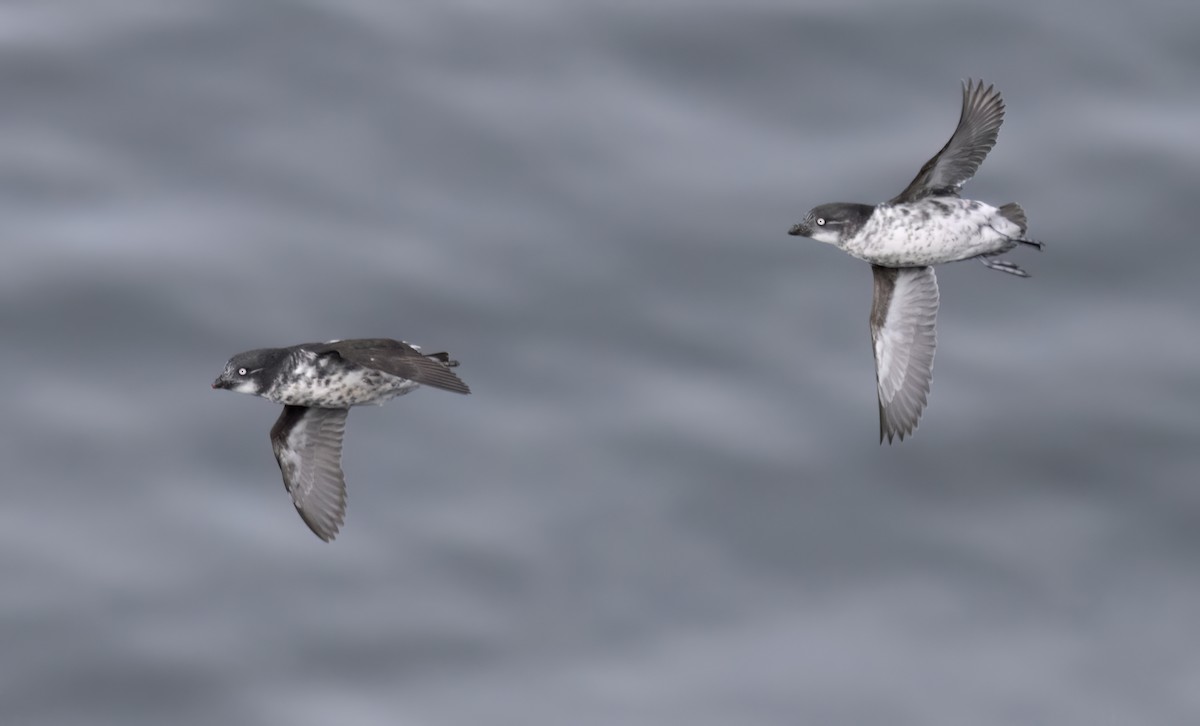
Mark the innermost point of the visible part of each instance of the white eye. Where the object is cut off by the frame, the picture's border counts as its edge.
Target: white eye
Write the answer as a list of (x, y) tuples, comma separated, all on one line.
[(241, 371), (820, 221)]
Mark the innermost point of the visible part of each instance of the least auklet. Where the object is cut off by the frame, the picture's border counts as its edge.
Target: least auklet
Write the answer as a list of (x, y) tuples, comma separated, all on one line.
[(926, 224), (317, 383)]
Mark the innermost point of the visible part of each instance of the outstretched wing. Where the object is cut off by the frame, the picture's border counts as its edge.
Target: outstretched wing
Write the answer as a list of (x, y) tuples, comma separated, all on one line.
[(308, 446), (903, 316), (399, 359), (950, 168)]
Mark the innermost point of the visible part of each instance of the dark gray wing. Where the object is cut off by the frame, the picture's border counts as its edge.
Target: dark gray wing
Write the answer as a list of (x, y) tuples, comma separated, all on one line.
[(399, 359), (308, 446), (903, 316), (950, 168)]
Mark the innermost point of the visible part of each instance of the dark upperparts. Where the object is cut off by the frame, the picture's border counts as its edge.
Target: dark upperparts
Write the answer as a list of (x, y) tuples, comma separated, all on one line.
[(397, 358)]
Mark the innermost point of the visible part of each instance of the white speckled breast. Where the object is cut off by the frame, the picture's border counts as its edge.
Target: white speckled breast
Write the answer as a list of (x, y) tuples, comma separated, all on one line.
[(931, 231), (325, 382)]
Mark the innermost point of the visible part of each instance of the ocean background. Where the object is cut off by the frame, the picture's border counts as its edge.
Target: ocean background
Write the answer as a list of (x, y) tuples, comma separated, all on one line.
[(665, 502)]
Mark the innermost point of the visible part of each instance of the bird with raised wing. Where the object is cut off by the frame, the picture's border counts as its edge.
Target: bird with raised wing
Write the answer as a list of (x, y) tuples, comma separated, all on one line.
[(926, 224)]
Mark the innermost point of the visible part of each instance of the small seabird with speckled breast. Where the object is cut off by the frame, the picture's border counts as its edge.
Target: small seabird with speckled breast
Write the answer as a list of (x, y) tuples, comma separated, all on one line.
[(317, 383), (925, 225)]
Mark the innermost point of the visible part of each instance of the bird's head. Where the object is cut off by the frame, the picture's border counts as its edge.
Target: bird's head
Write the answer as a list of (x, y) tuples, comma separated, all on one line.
[(247, 372), (832, 223)]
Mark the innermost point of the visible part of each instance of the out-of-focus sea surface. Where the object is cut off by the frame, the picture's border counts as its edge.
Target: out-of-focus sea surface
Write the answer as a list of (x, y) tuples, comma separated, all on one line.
[(665, 502)]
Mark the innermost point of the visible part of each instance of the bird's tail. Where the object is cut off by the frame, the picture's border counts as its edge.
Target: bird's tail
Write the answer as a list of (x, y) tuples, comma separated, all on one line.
[(1013, 213), (444, 357)]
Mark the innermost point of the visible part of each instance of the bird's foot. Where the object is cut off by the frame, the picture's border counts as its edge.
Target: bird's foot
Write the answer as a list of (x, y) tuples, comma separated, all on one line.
[(1002, 266)]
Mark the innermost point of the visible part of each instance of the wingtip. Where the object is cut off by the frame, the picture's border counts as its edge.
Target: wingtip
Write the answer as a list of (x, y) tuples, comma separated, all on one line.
[(455, 385), (894, 436), (325, 531), (438, 372), (988, 95), (976, 84)]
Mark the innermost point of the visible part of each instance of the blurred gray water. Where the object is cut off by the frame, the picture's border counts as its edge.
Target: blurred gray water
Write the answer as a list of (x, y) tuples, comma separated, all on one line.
[(664, 503)]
